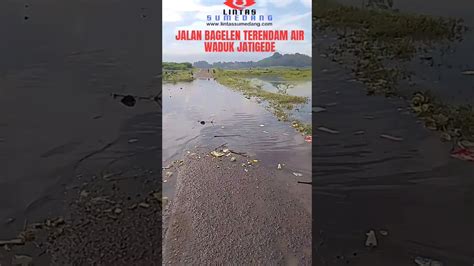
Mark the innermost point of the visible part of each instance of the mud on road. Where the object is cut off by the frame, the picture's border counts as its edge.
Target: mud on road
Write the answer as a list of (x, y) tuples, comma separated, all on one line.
[(224, 212)]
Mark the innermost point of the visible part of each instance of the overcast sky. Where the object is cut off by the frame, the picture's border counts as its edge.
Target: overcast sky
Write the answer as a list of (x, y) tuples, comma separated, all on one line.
[(191, 15)]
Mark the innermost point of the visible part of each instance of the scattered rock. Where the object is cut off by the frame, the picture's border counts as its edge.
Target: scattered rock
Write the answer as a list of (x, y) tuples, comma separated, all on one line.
[(225, 150), (297, 174), (279, 166), (217, 154), (371, 240), (164, 201), (144, 205), (169, 174), (245, 169), (233, 159), (84, 194), (118, 211)]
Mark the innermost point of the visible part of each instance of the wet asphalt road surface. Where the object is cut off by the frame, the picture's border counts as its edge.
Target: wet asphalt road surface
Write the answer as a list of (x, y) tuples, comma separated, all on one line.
[(410, 188), (224, 215)]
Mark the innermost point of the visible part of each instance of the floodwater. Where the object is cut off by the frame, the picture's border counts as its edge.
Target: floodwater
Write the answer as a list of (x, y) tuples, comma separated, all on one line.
[(301, 112), (443, 74), (57, 70), (412, 190), (245, 125)]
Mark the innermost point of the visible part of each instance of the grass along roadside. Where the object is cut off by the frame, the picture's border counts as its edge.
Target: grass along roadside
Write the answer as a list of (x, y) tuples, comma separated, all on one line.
[(375, 43), (287, 74), (175, 72), (279, 104)]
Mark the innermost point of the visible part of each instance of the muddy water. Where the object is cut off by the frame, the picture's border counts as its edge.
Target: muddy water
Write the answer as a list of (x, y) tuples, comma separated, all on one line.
[(229, 118), (57, 70), (301, 112), (443, 74), (411, 188)]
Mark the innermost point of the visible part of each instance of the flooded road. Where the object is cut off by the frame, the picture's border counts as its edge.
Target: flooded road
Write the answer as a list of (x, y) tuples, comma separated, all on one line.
[(443, 73), (416, 198), (57, 71), (410, 188), (245, 125)]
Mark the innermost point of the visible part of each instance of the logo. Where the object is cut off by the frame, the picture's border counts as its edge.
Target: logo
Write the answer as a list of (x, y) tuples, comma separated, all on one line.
[(239, 4)]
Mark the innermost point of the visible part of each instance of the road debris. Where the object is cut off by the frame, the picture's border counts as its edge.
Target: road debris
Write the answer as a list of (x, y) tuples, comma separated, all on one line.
[(22, 260), (262, 125), (427, 262), (297, 174), (132, 140), (466, 144), (279, 166), (144, 205), (217, 154), (169, 174), (463, 154), (385, 136), (383, 232), (371, 240), (84, 194), (360, 132), (328, 130), (308, 139), (16, 241), (128, 100)]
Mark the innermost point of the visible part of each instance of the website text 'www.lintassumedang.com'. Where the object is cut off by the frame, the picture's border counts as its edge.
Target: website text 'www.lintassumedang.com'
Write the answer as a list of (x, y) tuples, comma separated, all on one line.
[(258, 24)]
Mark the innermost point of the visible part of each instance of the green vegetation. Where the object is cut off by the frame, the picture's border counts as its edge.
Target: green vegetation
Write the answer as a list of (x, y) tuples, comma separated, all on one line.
[(375, 42), (370, 37), (279, 103), (175, 72), (455, 122), (275, 60), (177, 66), (288, 74)]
